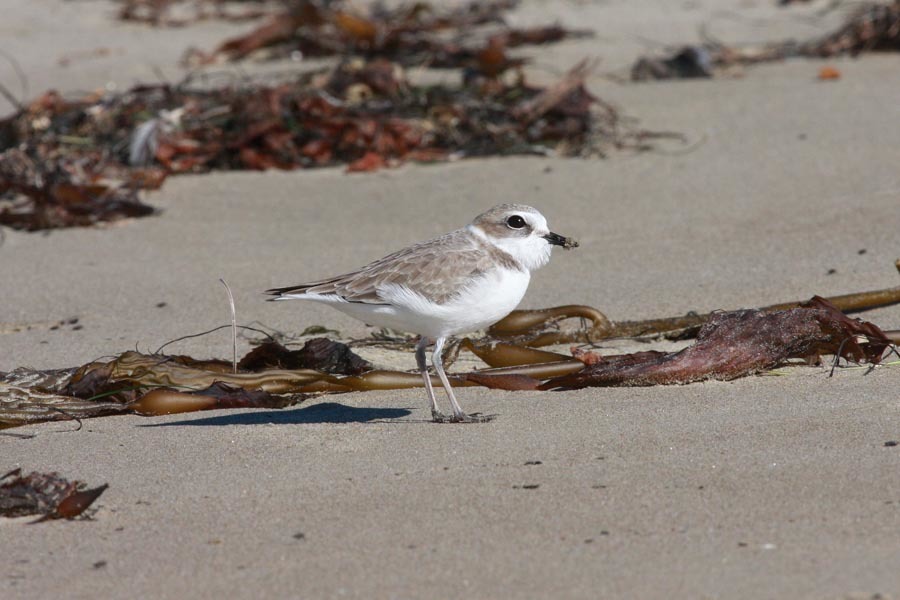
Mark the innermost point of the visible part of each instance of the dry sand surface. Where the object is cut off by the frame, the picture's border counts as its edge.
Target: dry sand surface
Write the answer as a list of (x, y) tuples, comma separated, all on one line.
[(766, 487)]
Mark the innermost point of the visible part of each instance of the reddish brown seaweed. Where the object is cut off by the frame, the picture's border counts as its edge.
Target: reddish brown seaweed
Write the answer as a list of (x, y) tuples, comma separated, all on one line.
[(45, 494), (736, 344), (872, 27), (64, 162), (471, 35)]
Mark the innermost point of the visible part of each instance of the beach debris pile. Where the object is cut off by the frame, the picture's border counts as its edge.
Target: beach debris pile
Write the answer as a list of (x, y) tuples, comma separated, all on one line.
[(43, 188), (269, 376), (78, 161), (736, 344), (459, 36), (729, 345), (541, 327), (321, 354), (45, 494), (871, 27), (179, 13)]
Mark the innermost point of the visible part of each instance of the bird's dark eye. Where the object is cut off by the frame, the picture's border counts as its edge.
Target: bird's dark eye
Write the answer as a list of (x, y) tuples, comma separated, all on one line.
[(515, 222)]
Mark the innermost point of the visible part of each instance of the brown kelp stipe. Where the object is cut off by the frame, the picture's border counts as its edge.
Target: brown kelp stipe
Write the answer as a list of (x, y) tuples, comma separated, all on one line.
[(149, 384), (729, 345), (538, 328)]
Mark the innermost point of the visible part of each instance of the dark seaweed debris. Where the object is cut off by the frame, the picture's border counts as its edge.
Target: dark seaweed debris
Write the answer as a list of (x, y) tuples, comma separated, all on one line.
[(872, 27), (80, 161), (46, 192), (729, 345), (469, 35), (77, 162), (321, 354), (178, 13), (736, 344), (45, 494), (270, 376)]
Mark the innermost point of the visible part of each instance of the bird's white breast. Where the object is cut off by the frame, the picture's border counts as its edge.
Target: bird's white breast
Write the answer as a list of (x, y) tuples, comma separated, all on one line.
[(480, 303)]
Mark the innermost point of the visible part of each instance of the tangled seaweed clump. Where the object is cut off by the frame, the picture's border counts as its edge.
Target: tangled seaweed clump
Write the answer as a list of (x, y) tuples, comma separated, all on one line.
[(461, 35), (45, 494), (871, 27), (729, 345), (76, 162), (79, 161)]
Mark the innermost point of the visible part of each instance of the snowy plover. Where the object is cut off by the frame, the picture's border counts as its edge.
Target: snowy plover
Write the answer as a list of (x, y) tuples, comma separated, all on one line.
[(460, 282)]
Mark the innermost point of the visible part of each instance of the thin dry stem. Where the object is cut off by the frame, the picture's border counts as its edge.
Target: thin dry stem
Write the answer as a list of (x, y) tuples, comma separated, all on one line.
[(233, 327)]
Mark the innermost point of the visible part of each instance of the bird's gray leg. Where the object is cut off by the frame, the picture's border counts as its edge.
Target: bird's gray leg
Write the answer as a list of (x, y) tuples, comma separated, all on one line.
[(458, 415), (436, 414)]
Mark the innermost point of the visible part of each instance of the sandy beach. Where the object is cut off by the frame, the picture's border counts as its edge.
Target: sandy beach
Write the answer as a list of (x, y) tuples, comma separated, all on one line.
[(765, 487)]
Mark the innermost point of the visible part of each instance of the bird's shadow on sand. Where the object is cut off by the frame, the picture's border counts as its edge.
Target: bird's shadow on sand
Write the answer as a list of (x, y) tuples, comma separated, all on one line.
[(325, 412)]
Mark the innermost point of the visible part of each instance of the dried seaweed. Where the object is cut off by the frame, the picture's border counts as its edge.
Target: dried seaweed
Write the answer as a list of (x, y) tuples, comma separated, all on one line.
[(472, 36), (28, 396), (729, 345), (871, 27), (45, 494), (537, 328), (736, 344), (321, 354), (271, 377), (466, 36), (178, 13), (687, 62), (80, 161), (21, 405), (70, 162), (46, 191)]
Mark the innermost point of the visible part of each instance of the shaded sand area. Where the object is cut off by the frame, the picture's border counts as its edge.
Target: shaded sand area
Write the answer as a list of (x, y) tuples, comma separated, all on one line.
[(777, 486)]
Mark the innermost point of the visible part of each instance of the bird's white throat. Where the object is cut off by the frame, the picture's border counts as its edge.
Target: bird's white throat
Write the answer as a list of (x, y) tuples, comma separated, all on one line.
[(532, 252)]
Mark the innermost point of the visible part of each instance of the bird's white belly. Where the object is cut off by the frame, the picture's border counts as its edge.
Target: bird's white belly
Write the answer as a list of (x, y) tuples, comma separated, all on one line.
[(483, 302)]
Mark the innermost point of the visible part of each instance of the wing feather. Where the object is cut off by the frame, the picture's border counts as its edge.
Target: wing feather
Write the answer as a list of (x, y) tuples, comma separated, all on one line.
[(436, 269)]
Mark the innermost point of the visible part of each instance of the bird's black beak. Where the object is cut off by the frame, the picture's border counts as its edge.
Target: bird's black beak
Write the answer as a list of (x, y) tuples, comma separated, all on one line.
[(558, 240)]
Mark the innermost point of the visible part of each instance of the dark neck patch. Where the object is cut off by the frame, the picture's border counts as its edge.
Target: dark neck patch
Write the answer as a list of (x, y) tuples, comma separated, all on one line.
[(498, 255)]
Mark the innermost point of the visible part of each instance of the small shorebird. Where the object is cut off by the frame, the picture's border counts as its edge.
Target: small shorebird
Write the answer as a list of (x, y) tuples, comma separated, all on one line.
[(460, 282)]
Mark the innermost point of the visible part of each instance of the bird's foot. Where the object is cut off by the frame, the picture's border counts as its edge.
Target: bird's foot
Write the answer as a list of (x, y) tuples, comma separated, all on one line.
[(439, 417), (473, 418)]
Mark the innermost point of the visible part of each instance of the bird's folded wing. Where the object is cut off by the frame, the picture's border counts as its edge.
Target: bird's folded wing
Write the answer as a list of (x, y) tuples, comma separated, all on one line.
[(437, 270)]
